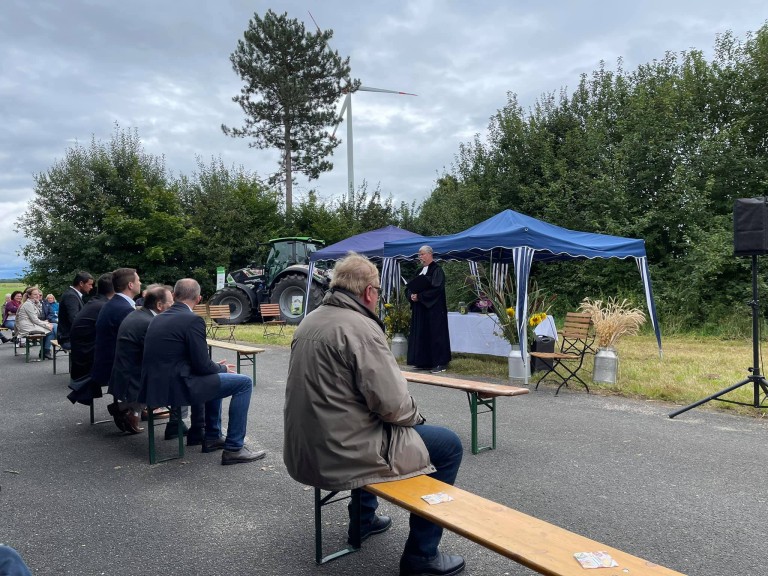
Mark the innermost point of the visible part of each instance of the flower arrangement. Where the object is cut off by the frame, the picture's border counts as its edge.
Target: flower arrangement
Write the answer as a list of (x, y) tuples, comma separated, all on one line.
[(503, 302), (612, 319), (397, 316)]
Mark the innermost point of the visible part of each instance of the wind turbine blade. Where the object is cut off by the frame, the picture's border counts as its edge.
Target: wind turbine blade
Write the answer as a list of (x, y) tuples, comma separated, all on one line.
[(344, 107), (369, 89), (313, 20)]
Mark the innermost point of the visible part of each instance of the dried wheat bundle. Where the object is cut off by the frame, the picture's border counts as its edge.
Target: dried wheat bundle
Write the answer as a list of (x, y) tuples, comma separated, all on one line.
[(612, 319)]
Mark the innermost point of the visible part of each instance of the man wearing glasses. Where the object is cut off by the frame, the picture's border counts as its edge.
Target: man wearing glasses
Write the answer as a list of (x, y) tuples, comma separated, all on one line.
[(350, 420)]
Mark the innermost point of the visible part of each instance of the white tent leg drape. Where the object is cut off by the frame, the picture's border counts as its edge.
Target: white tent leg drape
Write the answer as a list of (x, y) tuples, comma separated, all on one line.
[(523, 257)]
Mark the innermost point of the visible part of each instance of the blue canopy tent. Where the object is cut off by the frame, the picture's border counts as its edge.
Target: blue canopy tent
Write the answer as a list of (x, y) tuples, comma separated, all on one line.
[(370, 244), (514, 238)]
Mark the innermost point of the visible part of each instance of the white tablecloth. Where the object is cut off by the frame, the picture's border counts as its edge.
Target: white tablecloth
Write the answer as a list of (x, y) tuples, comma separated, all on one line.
[(473, 333)]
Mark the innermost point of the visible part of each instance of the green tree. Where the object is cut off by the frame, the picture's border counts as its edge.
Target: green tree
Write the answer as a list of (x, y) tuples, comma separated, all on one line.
[(657, 153), (292, 83), (103, 207), (234, 211)]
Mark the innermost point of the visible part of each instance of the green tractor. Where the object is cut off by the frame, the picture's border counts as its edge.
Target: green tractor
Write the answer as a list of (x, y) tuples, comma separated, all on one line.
[(280, 279)]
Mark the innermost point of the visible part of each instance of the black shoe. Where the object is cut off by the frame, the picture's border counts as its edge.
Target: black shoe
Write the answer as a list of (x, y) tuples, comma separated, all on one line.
[(195, 436), (437, 369), (380, 524), (48, 355), (117, 414), (242, 456), (439, 565), (3, 339), (172, 430), (213, 445)]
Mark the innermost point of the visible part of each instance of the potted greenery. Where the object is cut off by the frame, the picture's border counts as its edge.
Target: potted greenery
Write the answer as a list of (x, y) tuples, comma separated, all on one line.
[(397, 322), (611, 320), (502, 301)]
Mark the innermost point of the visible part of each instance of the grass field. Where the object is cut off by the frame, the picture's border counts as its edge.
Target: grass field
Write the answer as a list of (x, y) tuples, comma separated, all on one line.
[(9, 287), (692, 368)]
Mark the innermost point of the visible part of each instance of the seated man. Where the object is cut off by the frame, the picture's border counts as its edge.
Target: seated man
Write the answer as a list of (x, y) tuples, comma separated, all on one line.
[(125, 381), (176, 371), (127, 284), (70, 304), (83, 343), (350, 420)]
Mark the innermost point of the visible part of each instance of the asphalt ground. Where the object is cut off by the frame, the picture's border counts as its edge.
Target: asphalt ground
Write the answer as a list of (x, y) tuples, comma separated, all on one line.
[(81, 499)]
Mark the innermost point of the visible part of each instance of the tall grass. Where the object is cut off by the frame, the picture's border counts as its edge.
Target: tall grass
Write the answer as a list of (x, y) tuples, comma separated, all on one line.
[(693, 366)]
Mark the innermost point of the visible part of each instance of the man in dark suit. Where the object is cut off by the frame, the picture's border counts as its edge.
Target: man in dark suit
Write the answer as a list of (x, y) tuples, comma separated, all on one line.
[(83, 340), (125, 382), (176, 371), (127, 285), (70, 303)]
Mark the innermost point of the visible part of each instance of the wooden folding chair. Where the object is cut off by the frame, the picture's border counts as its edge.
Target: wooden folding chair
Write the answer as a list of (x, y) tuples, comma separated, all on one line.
[(572, 333), (221, 312), (271, 316), (574, 344)]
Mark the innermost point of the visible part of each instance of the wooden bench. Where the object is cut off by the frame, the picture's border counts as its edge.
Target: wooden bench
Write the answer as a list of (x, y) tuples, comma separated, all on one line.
[(478, 394), (33, 339), (245, 352), (271, 316), (536, 544), (57, 349)]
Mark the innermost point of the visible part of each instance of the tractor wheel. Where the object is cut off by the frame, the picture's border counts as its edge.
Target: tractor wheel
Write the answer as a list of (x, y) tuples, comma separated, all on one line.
[(295, 286), (238, 302)]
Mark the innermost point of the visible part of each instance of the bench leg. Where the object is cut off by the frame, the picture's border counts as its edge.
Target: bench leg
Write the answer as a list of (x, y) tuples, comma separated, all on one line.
[(475, 402), (151, 436), (329, 498)]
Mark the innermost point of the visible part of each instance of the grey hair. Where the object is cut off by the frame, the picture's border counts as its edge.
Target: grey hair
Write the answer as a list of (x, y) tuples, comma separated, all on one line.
[(186, 289)]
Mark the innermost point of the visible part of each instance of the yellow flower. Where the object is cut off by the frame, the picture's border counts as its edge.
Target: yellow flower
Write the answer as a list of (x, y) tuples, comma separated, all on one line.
[(511, 312), (536, 319), (388, 306)]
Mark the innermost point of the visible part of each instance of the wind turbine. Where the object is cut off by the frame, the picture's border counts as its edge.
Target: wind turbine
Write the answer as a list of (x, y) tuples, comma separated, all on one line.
[(347, 107)]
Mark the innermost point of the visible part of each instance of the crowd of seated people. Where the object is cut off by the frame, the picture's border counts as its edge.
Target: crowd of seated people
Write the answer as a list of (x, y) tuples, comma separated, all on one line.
[(30, 320), (10, 308), (151, 356)]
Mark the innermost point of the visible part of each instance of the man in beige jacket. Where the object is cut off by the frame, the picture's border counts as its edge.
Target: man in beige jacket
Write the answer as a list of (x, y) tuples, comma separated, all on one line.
[(350, 420)]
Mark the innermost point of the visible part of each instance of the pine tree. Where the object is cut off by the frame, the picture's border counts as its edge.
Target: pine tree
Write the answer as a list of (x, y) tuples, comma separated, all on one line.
[(292, 81)]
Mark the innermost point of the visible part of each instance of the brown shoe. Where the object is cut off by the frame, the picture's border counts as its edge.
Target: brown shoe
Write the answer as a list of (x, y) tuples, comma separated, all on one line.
[(131, 422)]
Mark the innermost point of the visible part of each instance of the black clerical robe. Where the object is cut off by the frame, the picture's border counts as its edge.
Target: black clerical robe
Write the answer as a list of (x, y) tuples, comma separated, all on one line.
[(429, 344)]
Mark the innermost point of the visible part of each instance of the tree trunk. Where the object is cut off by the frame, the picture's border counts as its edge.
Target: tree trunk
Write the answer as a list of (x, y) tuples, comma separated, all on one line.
[(287, 164)]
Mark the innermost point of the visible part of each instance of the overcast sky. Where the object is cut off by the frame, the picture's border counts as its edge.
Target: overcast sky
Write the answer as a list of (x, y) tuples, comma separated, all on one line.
[(70, 69)]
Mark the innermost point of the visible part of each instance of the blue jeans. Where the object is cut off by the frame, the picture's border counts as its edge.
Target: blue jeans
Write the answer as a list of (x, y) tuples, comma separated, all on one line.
[(445, 452), (239, 387), (11, 563)]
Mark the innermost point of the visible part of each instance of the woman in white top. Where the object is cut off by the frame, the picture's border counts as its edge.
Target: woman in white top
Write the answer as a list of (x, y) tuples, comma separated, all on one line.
[(28, 319)]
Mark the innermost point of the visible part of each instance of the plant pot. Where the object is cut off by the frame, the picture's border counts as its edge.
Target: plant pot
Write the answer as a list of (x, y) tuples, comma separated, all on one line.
[(399, 346), (606, 366), (519, 371)]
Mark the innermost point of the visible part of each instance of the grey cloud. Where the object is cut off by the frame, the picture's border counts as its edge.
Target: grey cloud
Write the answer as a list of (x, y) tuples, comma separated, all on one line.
[(71, 69)]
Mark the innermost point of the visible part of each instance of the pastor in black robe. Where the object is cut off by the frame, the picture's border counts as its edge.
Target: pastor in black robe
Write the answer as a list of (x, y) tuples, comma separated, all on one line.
[(429, 344)]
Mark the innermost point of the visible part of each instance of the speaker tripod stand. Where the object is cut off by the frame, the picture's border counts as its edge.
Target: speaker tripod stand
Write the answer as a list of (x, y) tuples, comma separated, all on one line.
[(756, 379)]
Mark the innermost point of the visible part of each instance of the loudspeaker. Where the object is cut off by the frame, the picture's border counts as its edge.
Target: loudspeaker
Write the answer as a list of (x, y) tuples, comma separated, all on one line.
[(750, 226)]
